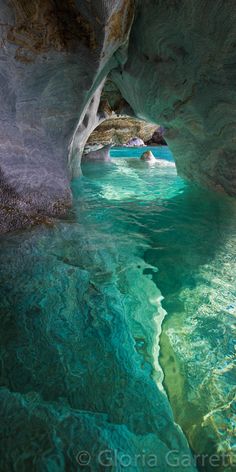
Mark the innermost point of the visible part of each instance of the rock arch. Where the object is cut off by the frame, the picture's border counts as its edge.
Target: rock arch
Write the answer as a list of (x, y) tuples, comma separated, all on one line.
[(173, 62)]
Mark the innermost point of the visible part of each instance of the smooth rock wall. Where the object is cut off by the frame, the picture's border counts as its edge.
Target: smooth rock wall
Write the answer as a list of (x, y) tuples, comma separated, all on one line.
[(53, 59), (176, 70), (180, 73)]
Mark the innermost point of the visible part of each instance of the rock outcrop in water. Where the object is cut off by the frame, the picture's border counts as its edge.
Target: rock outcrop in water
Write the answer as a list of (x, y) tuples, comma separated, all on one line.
[(176, 69), (148, 156)]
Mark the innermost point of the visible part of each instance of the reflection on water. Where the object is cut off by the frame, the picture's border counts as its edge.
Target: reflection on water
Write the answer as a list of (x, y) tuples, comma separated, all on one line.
[(82, 309)]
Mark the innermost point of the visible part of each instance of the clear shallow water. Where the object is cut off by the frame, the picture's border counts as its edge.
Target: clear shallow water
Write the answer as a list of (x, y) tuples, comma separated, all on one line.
[(161, 152), (82, 310)]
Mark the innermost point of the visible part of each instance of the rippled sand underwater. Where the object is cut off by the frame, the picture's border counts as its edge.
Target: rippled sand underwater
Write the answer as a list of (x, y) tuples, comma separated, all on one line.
[(117, 323)]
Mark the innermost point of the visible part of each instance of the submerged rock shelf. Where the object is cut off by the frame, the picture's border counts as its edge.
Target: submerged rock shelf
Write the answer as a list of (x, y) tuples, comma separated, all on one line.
[(77, 353), (81, 314), (197, 279)]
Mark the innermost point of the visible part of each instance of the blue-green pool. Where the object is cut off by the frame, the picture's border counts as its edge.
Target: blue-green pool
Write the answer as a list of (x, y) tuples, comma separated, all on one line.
[(161, 152), (118, 326)]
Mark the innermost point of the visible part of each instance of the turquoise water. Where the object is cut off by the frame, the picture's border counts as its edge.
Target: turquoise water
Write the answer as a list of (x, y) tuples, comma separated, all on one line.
[(162, 152), (117, 323)]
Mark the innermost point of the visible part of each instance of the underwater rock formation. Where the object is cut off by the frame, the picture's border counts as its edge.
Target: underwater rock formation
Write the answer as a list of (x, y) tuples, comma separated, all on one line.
[(73, 374), (196, 275), (170, 62), (164, 163)]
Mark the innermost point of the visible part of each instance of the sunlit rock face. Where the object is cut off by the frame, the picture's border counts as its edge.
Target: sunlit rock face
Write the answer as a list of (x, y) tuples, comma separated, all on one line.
[(180, 73), (119, 130), (120, 125), (53, 59)]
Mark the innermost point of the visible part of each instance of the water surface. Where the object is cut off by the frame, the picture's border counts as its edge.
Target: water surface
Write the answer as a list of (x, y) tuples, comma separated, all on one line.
[(117, 323)]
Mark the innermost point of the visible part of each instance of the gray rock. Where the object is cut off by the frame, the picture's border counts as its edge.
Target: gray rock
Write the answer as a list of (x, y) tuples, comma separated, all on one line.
[(185, 81), (102, 154), (53, 63), (135, 142), (52, 77)]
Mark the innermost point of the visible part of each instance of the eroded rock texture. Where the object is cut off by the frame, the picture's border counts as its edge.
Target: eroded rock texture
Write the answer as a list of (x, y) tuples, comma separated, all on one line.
[(120, 124), (177, 71), (176, 68), (54, 57), (119, 130), (180, 73)]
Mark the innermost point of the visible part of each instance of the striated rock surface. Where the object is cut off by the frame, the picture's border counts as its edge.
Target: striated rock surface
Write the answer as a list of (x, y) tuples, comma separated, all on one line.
[(120, 130), (177, 69), (102, 154), (180, 73), (53, 57)]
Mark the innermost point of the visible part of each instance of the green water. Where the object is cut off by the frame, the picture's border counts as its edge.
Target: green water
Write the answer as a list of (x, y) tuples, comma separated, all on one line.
[(116, 324)]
